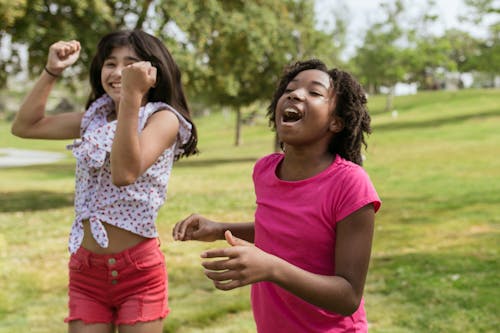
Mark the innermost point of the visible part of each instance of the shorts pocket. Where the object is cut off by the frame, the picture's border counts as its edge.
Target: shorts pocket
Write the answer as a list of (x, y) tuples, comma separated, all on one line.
[(151, 260), (75, 264)]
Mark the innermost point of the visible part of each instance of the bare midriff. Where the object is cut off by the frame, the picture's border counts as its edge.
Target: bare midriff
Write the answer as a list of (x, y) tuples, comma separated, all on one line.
[(119, 239)]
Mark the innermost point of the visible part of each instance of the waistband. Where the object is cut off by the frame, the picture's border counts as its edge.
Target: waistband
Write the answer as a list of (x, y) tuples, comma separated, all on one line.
[(125, 257)]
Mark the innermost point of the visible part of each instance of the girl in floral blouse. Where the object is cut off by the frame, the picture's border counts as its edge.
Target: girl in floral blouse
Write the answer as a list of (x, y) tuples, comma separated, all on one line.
[(136, 123)]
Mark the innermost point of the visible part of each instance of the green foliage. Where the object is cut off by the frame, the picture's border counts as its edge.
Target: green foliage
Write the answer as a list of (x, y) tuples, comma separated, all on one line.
[(45, 22), (234, 51), (231, 52), (463, 51), (381, 61), (10, 10), (434, 263)]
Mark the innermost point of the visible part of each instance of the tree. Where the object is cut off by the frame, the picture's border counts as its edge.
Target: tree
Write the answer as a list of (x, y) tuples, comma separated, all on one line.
[(464, 49), (488, 58), (431, 52), (232, 52), (384, 58), (38, 23), (10, 11)]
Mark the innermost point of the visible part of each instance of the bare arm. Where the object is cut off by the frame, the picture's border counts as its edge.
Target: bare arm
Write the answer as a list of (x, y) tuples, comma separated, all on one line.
[(245, 264), (132, 153), (31, 121), (197, 227)]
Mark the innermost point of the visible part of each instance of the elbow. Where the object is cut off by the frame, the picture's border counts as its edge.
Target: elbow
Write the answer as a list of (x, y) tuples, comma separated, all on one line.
[(123, 180), (123, 174), (16, 130), (350, 306)]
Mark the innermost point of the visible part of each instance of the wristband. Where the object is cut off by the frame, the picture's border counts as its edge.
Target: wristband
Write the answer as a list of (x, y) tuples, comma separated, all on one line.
[(50, 73)]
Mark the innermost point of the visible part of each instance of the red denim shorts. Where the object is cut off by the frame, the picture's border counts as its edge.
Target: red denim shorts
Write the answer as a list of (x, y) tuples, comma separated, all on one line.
[(122, 289)]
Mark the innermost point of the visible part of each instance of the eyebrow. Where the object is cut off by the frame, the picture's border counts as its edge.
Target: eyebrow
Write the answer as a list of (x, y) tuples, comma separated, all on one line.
[(318, 83), (130, 58)]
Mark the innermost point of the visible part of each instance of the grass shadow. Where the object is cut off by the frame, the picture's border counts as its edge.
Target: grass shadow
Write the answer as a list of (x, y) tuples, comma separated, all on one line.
[(435, 122), (58, 168), (33, 201)]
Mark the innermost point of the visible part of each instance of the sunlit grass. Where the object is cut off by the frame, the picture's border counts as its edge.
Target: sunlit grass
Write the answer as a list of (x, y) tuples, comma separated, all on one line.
[(435, 258)]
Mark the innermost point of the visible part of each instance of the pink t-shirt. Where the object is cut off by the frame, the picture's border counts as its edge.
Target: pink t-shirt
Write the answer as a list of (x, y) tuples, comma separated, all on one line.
[(133, 207), (296, 221)]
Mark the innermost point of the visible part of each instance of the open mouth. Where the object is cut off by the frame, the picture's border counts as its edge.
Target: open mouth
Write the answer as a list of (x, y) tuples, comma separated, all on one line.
[(291, 115), (116, 85)]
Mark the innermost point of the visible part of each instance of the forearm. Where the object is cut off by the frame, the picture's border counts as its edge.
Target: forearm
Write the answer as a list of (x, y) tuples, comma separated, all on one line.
[(32, 110), (332, 293), (126, 162), (243, 230)]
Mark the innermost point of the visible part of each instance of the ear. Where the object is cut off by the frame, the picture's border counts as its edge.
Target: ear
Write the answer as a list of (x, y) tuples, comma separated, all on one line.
[(336, 125)]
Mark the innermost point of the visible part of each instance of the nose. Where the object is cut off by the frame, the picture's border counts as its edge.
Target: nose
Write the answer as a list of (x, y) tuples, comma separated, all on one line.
[(296, 94), (117, 70)]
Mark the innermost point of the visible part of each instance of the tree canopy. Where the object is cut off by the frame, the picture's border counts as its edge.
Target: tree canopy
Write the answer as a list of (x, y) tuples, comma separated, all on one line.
[(232, 52)]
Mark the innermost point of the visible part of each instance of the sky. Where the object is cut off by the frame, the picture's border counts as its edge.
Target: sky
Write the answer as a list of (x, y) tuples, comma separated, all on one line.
[(362, 12)]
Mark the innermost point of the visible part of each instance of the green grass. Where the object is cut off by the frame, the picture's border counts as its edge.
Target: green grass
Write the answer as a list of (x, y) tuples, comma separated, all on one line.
[(434, 265)]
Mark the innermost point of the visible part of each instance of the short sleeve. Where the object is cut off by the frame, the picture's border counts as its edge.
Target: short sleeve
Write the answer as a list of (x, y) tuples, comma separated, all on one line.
[(185, 126), (358, 191)]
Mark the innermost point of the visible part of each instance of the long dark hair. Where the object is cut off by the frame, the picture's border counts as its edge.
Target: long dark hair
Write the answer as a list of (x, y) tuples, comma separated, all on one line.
[(168, 88), (350, 106)]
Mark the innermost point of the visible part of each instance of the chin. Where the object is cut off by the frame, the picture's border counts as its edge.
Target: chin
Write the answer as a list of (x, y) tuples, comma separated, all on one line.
[(116, 99)]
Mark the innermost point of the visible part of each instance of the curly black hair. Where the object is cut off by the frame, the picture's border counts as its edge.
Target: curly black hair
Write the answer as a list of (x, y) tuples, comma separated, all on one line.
[(350, 107)]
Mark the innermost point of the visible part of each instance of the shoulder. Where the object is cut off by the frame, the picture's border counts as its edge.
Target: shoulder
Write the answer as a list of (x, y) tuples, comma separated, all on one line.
[(356, 184), (266, 164), (268, 161), (348, 169), (168, 120)]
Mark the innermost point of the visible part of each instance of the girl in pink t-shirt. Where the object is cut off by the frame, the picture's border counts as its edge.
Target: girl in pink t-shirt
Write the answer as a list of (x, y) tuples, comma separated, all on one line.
[(315, 213), (136, 123)]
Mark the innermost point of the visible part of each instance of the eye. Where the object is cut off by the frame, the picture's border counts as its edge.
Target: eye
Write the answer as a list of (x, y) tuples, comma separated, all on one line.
[(109, 64), (127, 63), (315, 93)]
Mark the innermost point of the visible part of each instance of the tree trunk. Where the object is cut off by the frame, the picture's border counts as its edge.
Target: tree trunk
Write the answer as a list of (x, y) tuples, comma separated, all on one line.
[(389, 99), (143, 14), (237, 139)]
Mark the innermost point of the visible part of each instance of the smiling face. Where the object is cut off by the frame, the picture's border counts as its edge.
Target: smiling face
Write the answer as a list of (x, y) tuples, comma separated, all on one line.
[(304, 114), (111, 71)]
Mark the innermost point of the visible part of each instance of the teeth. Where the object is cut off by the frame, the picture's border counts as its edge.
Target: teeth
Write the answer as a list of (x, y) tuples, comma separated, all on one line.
[(291, 111), (290, 115)]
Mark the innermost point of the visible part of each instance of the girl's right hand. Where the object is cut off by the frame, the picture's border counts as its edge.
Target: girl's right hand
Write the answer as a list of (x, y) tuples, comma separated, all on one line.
[(62, 54), (197, 227)]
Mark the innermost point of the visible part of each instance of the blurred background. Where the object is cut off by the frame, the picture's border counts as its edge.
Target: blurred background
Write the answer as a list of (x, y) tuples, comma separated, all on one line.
[(232, 52), (431, 70)]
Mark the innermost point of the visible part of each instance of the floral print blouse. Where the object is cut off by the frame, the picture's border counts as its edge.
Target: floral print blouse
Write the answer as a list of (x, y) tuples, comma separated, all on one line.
[(133, 207)]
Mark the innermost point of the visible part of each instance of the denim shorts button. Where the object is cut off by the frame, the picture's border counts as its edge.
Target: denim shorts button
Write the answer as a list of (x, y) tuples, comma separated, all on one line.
[(111, 261)]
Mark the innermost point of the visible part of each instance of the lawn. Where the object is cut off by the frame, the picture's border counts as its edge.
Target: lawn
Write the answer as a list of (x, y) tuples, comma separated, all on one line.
[(434, 265)]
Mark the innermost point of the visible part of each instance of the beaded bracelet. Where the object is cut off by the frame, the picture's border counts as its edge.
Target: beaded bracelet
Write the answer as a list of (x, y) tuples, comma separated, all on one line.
[(50, 73)]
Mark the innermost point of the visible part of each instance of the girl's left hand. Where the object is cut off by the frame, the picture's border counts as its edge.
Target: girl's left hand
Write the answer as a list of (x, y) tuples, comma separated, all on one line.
[(138, 78), (243, 264)]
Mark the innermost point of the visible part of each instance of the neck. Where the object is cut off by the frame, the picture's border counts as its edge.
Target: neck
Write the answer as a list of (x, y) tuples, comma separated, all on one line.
[(303, 164)]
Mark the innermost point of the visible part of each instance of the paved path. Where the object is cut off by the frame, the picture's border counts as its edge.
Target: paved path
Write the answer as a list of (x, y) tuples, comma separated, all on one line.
[(11, 157)]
